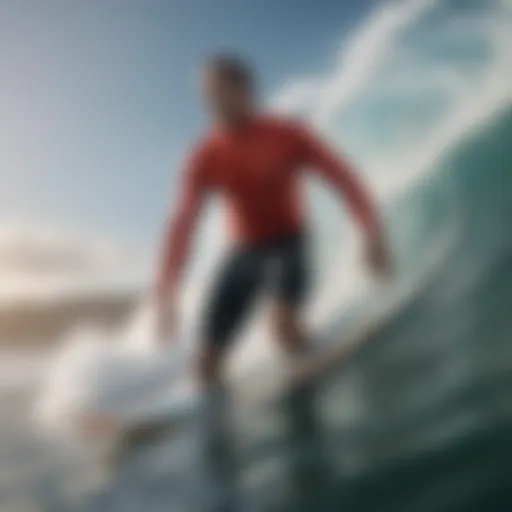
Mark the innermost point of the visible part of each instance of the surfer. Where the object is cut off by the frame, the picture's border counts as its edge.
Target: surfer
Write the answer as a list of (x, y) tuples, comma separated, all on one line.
[(254, 161)]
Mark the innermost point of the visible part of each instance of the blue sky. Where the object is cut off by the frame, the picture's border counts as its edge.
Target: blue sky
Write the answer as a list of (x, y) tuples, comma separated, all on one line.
[(98, 105)]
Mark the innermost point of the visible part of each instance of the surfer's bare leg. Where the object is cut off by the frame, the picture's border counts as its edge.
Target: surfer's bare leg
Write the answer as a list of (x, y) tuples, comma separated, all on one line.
[(290, 289), (287, 327), (210, 364), (230, 300)]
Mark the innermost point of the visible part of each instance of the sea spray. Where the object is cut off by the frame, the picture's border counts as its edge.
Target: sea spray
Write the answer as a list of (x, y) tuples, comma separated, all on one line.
[(114, 375)]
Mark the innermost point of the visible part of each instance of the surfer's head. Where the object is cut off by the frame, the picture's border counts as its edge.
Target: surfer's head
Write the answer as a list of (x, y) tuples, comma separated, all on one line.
[(229, 88)]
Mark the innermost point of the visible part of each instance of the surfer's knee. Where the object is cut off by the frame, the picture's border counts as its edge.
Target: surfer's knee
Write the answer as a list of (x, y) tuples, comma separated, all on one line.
[(209, 366), (287, 329)]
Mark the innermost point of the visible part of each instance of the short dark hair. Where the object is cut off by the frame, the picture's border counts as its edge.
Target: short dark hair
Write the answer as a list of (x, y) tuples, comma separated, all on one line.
[(234, 68)]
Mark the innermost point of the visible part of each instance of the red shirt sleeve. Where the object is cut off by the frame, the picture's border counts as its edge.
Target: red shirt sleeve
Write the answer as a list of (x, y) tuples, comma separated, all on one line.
[(341, 176), (178, 234)]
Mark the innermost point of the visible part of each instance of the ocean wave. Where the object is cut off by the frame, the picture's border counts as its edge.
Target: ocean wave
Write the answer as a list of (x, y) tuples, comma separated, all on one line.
[(402, 110)]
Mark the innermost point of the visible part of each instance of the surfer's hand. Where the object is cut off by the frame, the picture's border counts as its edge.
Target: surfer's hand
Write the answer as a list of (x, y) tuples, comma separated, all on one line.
[(166, 320), (378, 258)]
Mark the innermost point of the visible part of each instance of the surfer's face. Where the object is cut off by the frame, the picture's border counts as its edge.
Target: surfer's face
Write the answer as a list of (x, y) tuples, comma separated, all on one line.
[(226, 99)]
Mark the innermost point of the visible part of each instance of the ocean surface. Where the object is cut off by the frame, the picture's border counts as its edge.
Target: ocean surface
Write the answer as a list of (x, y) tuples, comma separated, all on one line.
[(419, 419)]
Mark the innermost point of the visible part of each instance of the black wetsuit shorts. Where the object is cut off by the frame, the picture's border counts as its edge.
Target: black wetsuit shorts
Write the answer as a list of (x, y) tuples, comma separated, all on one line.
[(280, 267)]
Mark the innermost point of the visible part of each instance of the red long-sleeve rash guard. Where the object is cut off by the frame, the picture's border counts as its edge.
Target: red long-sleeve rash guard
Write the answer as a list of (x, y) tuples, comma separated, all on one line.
[(256, 170)]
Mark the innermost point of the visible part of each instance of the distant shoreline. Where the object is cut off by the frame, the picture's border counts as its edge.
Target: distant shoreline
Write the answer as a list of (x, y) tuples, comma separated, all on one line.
[(31, 324)]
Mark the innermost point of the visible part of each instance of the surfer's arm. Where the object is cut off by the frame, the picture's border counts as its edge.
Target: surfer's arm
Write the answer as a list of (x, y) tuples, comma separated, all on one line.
[(181, 225), (341, 176)]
